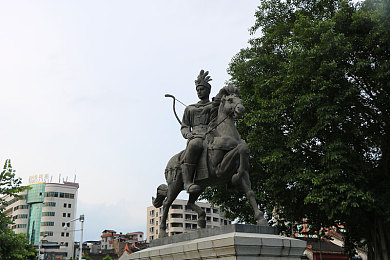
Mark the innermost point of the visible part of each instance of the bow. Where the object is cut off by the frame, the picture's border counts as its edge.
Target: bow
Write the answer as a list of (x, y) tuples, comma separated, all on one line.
[(174, 107)]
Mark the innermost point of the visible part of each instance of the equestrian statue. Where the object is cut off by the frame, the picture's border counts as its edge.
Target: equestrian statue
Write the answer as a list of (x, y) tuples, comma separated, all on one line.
[(215, 153)]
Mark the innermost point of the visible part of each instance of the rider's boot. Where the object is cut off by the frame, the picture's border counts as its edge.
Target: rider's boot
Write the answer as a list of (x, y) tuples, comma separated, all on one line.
[(188, 170)]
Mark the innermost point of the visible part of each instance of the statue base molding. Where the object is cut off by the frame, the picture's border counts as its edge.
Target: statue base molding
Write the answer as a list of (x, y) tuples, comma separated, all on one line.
[(237, 242)]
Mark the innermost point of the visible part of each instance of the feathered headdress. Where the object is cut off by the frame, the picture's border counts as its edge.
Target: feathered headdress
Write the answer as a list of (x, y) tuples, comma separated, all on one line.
[(203, 80)]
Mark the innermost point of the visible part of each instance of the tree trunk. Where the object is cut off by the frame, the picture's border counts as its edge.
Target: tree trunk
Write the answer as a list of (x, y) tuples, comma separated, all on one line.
[(380, 240)]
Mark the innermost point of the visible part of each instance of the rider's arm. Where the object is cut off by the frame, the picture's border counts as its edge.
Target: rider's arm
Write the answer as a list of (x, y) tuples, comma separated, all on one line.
[(185, 124)]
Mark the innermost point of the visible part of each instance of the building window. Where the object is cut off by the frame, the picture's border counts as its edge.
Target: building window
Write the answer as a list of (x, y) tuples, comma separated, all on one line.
[(21, 216), (175, 206), (64, 205), (68, 215), (62, 234), (21, 226), (215, 219), (64, 215), (47, 223), (49, 204), (51, 194), (175, 224), (49, 213), (20, 207), (69, 205), (151, 213), (67, 234), (215, 211), (48, 233)]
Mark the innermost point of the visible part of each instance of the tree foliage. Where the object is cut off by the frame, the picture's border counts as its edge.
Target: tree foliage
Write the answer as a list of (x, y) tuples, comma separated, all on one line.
[(12, 246), (86, 256), (316, 85), (15, 247), (107, 257)]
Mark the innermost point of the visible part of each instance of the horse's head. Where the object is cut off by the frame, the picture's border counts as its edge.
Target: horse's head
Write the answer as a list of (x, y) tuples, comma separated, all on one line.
[(231, 104)]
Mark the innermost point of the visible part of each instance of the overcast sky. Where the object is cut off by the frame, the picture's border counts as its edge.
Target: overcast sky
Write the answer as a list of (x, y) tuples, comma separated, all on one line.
[(82, 92)]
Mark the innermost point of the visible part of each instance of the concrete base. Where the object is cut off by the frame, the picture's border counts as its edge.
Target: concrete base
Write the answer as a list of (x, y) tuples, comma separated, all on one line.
[(231, 245)]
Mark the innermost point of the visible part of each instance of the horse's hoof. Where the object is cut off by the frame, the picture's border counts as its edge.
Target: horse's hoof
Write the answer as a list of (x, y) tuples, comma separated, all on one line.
[(262, 222), (235, 179), (202, 223), (163, 233), (193, 188)]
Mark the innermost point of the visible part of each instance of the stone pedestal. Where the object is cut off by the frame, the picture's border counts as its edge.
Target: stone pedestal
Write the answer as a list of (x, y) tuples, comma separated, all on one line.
[(231, 242)]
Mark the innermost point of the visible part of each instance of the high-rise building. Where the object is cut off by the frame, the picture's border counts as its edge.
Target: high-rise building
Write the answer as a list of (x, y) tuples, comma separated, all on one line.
[(182, 219), (42, 212)]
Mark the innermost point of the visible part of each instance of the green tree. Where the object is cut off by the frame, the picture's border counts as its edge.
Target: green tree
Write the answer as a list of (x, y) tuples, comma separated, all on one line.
[(107, 257), (316, 84), (86, 256), (12, 246)]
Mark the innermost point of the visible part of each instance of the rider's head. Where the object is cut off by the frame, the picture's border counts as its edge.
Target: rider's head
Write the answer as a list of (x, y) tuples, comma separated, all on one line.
[(203, 92), (202, 84)]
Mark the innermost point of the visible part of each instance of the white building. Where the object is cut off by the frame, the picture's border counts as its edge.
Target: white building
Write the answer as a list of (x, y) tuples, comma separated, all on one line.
[(182, 219), (42, 212)]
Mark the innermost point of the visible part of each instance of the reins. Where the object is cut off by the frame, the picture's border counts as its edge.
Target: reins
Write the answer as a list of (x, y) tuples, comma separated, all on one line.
[(212, 129)]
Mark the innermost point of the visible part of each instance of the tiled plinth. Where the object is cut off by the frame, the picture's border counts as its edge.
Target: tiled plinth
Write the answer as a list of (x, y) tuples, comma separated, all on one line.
[(232, 245)]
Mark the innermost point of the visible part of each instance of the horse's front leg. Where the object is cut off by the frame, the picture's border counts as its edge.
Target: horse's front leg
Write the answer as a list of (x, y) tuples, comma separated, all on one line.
[(250, 195), (243, 152), (201, 214)]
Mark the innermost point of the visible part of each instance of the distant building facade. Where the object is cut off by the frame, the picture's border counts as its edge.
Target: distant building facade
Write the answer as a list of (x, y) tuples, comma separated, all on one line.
[(114, 243), (182, 219), (42, 212)]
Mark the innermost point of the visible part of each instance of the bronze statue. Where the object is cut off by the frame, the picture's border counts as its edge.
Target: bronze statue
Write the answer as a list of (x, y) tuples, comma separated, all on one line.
[(215, 152), (194, 125)]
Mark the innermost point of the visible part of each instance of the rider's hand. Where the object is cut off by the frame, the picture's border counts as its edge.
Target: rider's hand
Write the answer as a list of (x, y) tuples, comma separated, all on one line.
[(190, 136)]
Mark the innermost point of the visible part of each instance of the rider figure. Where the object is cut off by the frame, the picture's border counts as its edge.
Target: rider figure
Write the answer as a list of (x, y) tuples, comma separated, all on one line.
[(194, 127)]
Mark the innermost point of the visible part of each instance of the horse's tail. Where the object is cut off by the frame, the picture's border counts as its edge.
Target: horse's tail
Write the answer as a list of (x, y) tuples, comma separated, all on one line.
[(162, 191)]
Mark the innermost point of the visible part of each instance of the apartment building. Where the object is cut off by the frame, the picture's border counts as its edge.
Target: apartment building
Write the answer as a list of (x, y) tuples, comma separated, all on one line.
[(182, 219), (42, 212)]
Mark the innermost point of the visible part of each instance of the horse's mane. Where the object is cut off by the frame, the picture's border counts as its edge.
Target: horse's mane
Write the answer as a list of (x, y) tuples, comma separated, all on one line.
[(225, 91)]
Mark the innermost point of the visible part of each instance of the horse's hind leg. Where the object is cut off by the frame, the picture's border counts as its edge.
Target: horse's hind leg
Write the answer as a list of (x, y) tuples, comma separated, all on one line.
[(250, 195), (173, 190), (201, 214)]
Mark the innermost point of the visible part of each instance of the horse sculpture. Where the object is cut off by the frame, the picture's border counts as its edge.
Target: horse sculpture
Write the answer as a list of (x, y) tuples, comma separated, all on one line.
[(225, 159)]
